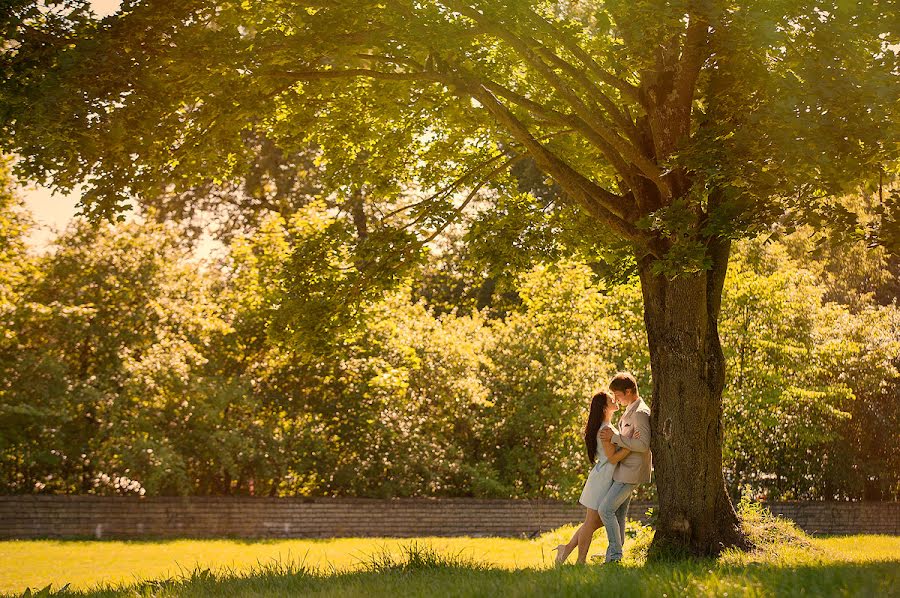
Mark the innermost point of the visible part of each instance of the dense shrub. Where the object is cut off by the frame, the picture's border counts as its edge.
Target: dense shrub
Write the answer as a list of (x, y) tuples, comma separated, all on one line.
[(127, 368)]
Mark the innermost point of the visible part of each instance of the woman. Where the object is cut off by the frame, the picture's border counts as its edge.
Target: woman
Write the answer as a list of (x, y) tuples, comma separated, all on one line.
[(603, 405)]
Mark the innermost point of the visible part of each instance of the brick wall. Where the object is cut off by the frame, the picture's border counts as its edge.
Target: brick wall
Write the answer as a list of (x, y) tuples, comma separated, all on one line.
[(199, 517), (842, 517)]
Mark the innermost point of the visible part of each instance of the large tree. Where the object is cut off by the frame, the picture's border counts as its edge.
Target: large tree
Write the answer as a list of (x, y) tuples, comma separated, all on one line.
[(674, 127)]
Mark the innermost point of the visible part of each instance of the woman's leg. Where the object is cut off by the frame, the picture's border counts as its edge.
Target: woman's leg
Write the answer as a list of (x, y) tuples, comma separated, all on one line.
[(564, 550), (586, 534)]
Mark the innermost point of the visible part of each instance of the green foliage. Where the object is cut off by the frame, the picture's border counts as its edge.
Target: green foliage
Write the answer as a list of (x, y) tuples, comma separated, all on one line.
[(273, 180), (16, 266), (108, 352), (807, 377), (382, 404), (546, 360), (174, 380), (773, 110), (329, 276)]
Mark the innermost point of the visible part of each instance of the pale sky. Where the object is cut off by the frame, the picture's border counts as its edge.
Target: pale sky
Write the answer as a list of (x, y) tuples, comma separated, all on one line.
[(51, 212), (105, 7)]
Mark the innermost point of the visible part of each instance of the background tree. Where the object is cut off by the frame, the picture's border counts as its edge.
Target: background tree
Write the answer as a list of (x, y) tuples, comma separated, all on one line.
[(812, 382), (675, 126), (104, 370), (16, 265)]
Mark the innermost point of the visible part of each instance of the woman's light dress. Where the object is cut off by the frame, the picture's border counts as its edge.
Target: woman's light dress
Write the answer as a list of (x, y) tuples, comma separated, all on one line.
[(600, 478)]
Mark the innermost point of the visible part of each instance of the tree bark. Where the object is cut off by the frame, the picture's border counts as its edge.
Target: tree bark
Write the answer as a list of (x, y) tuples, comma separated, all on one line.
[(695, 513)]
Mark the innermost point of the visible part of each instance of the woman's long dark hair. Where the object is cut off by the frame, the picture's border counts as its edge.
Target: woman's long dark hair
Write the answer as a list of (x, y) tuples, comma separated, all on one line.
[(599, 403)]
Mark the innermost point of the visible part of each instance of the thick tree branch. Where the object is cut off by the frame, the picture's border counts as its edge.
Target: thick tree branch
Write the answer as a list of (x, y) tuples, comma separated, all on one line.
[(594, 91), (349, 73), (628, 90), (399, 60), (579, 75), (621, 166), (598, 201), (608, 149), (694, 52), (606, 206), (535, 108), (610, 137)]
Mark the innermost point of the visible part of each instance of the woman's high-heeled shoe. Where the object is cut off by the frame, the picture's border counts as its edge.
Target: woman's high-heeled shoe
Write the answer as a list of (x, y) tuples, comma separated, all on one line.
[(560, 559)]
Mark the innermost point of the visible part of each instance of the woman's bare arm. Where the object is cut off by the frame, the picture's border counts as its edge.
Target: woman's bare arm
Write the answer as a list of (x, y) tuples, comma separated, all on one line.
[(614, 455)]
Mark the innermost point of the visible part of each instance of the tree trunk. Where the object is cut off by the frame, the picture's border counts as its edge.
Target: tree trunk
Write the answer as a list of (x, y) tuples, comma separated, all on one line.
[(695, 513)]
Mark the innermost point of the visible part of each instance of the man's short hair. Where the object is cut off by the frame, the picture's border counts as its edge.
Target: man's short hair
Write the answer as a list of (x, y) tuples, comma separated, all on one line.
[(623, 381)]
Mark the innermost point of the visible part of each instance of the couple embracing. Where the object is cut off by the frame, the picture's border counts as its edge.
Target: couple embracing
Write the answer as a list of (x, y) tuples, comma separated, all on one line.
[(623, 463)]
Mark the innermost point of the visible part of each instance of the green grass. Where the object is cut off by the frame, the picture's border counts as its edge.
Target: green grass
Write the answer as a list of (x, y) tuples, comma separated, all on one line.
[(786, 563), (84, 564)]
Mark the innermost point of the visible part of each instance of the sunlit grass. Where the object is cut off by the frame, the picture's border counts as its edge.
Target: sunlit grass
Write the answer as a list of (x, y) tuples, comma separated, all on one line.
[(84, 564), (786, 563)]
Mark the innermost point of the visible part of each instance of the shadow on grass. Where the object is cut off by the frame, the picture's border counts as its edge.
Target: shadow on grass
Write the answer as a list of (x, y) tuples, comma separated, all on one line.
[(420, 571)]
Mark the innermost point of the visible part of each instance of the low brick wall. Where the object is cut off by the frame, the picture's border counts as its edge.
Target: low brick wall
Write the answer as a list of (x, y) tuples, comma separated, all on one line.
[(841, 517), (126, 517), (245, 517)]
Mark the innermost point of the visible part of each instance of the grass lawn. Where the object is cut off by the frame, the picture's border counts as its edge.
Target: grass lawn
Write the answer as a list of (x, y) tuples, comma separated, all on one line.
[(786, 564), (86, 563)]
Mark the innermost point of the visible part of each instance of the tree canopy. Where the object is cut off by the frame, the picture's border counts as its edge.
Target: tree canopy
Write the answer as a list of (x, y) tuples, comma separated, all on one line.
[(668, 122)]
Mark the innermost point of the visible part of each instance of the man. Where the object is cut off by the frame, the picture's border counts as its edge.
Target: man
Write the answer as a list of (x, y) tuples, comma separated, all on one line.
[(634, 434)]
